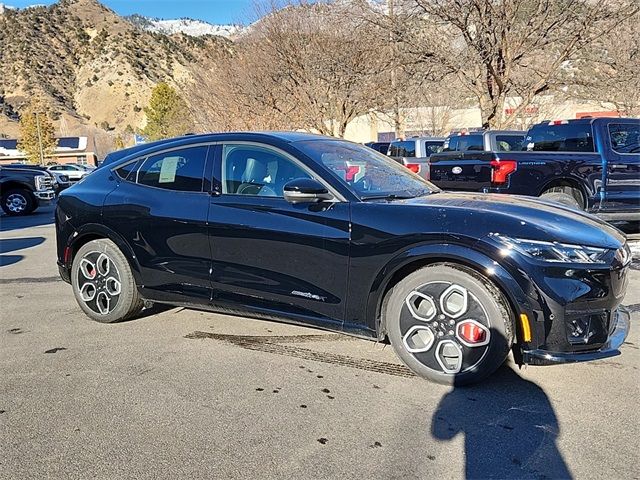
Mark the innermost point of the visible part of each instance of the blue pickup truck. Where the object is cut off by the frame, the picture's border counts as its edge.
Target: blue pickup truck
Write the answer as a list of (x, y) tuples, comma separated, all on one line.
[(590, 163)]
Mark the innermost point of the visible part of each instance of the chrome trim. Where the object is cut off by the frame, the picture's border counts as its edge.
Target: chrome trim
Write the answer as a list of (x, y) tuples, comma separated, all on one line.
[(610, 349)]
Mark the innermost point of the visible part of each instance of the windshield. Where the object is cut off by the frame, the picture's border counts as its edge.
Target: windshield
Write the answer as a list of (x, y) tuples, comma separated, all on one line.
[(368, 173)]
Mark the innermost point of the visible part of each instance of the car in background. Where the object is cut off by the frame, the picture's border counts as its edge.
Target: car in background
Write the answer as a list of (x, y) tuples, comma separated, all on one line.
[(62, 182), (414, 152), (23, 188), (315, 230), (590, 164), (487, 141), (74, 172), (381, 147)]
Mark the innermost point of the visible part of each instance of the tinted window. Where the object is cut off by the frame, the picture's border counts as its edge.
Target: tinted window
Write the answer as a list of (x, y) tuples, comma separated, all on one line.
[(402, 148), (509, 143), (367, 172), (462, 143), (253, 170), (433, 147), (568, 137), (175, 170), (625, 137)]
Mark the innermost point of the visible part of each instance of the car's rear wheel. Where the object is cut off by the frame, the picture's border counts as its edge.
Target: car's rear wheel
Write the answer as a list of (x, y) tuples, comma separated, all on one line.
[(449, 324), (103, 283), (569, 196), (18, 202)]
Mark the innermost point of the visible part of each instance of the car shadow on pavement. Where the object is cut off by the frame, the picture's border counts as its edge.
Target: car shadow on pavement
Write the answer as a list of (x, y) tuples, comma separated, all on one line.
[(8, 245), (509, 426), (42, 216)]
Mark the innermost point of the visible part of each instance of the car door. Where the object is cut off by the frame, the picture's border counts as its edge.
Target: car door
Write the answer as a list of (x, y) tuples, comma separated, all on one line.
[(269, 254), (160, 208), (622, 190)]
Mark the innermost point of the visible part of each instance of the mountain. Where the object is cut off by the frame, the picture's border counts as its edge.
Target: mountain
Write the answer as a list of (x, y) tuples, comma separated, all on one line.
[(94, 68), (188, 26)]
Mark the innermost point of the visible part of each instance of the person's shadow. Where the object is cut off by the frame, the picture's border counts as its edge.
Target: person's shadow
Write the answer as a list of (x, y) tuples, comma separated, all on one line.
[(509, 428)]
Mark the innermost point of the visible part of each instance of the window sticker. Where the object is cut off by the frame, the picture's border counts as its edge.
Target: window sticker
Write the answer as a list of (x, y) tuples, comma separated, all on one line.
[(168, 170)]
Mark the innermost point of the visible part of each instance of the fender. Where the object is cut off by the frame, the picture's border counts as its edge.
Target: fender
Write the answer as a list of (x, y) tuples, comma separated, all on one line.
[(93, 229), (513, 289)]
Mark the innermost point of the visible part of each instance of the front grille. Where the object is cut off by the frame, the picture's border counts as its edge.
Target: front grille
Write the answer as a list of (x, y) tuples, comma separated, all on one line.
[(44, 182)]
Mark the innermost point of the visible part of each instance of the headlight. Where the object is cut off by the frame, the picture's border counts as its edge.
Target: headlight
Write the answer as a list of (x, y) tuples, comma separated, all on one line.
[(40, 182), (552, 251)]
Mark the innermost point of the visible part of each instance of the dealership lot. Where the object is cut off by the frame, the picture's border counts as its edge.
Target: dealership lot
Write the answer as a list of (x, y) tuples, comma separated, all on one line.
[(187, 394)]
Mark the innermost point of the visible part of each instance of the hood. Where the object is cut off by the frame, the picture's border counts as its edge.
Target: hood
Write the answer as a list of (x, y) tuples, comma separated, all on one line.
[(518, 216)]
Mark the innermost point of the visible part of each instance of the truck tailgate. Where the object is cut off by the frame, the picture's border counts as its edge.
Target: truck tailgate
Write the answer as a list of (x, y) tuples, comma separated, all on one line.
[(461, 171)]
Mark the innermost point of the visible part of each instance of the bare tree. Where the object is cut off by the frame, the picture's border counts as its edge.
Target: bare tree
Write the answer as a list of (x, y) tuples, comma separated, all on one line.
[(610, 70), (305, 66), (506, 48)]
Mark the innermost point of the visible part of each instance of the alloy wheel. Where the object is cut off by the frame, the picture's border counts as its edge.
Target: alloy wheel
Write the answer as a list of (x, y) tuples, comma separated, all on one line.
[(445, 327), (16, 203), (99, 282)]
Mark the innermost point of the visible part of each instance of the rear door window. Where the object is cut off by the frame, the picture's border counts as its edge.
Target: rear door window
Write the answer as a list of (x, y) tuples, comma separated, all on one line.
[(462, 143), (625, 137), (509, 143), (567, 137), (402, 148), (433, 147), (181, 170)]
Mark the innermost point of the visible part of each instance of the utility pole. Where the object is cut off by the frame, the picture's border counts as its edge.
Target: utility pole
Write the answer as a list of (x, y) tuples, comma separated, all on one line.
[(39, 140)]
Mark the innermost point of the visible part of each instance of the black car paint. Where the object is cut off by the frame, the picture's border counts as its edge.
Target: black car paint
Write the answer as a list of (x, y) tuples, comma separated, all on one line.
[(330, 264), (609, 181)]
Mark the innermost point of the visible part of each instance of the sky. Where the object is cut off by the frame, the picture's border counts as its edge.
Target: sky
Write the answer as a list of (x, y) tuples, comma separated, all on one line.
[(213, 11)]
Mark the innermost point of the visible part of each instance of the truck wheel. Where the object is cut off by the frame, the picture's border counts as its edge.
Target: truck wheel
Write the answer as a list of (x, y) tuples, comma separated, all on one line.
[(103, 284), (18, 202), (449, 324), (571, 197)]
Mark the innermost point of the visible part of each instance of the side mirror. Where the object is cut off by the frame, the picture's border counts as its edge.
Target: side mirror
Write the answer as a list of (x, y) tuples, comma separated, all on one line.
[(306, 190)]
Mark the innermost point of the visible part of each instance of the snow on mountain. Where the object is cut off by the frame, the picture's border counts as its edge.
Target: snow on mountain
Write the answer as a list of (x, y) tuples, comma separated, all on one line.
[(188, 26)]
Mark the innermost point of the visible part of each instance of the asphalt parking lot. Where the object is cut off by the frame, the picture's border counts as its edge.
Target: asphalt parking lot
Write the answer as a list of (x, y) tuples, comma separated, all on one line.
[(188, 394)]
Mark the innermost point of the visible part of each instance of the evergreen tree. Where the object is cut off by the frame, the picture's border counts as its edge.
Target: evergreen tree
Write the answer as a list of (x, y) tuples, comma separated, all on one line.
[(36, 133), (167, 114)]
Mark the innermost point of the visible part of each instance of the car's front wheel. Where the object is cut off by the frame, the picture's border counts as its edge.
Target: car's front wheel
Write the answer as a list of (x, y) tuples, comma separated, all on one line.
[(103, 283), (18, 202), (449, 324)]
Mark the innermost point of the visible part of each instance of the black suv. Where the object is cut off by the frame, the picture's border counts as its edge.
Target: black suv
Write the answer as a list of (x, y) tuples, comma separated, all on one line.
[(325, 232)]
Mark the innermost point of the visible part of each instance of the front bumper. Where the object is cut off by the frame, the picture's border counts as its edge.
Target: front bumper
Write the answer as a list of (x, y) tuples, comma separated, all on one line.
[(45, 195), (610, 348)]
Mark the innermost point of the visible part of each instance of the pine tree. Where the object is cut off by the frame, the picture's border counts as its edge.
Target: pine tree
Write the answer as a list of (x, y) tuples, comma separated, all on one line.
[(167, 114), (36, 132)]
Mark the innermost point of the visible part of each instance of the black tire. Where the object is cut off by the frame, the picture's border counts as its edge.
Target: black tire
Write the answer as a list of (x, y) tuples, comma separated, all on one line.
[(98, 267), (18, 202), (568, 196), (448, 359)]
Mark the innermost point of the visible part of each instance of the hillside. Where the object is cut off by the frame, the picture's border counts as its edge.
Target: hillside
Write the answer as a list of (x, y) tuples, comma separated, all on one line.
[(93, 67)]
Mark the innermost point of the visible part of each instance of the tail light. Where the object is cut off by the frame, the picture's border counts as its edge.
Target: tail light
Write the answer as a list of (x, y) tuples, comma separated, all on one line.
[(501, 169), (350, 172), (414, 167)]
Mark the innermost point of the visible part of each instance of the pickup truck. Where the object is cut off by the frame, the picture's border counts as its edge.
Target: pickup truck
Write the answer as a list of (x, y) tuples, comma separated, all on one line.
[(414, 152), (23, 189), (591, 164)]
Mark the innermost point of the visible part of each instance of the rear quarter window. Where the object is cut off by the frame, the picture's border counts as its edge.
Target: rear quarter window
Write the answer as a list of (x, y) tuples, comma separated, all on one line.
[(462, 143), (569, 137), (402, 148)]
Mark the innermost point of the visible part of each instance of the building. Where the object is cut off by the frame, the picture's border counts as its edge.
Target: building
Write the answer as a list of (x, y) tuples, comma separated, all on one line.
[(69, 150)]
